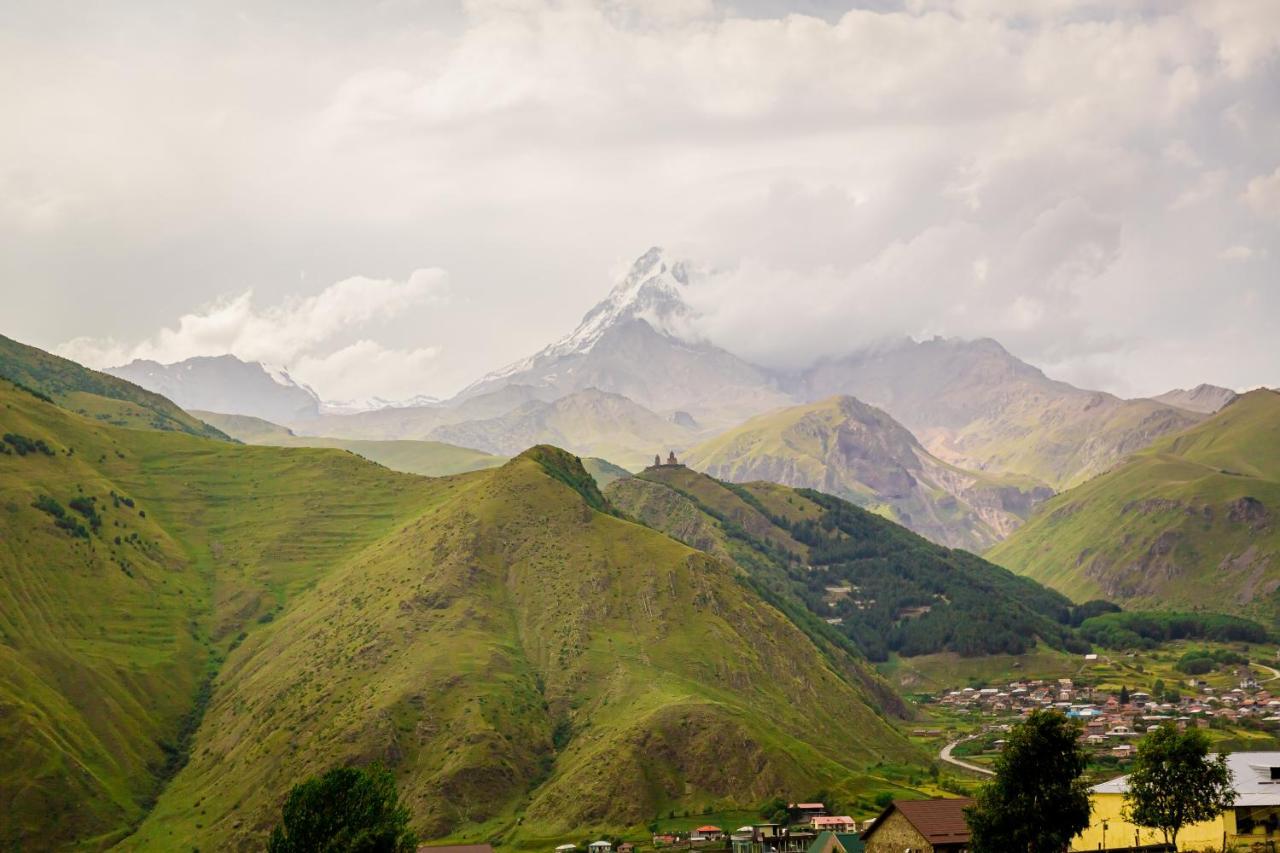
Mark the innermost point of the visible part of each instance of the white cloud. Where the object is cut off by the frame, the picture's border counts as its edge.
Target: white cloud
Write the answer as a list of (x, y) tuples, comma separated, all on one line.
[(1263, 194), (1062, 174), (293, 333), (1237, 253), (367, 369)]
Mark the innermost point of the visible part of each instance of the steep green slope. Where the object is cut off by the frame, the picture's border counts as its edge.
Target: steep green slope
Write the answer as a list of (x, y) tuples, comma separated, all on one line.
[(429, 458), (109, 634), (873, 583), (1193, 521), (93, 394), (501, 650), (846, 448)]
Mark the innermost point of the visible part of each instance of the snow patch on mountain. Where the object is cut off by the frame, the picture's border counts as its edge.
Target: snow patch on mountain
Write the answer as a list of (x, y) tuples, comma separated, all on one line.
[(651, 291)]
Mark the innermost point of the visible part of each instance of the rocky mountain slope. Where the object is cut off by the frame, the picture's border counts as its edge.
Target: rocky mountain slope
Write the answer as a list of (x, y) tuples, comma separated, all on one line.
[(588, 423), (1193, 520), (974, 405), (225, 384), (1205, 399), (196, 624), (631, 343), (846, 448), (874, 584)]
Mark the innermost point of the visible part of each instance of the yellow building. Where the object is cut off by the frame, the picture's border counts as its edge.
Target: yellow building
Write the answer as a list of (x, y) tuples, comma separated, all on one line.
[(1255, 817)]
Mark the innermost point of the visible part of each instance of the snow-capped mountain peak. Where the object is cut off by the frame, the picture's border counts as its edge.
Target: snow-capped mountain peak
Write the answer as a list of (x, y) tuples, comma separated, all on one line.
[(652, 290)]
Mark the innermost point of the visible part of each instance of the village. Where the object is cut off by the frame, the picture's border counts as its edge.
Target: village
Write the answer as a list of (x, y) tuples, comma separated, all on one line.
[(1111, 721)]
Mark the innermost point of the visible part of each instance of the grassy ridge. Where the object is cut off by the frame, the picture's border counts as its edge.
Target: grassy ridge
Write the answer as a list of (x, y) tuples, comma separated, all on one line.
[(1192, 521), (501, 649), (104, 643), (428, 458), (883, 588), (93, 394)]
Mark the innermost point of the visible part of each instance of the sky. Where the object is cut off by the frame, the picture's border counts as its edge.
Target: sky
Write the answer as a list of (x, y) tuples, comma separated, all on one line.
[(393, 198)]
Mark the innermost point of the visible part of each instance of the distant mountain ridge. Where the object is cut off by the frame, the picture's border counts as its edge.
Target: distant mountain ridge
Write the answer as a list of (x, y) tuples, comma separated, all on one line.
[(854, 451), (971, 403), (588, 422), (1203, 398), (224, 383)]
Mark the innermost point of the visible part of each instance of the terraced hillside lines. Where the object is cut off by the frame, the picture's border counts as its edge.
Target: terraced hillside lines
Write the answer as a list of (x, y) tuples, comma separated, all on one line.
[(428, 458), (107, 634), (94, 394), (1193, 521), (857, 452), (501, 649)]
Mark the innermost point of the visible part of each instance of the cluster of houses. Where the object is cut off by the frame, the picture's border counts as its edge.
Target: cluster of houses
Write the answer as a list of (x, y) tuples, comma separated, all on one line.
[(939, 825), (1112, 722)]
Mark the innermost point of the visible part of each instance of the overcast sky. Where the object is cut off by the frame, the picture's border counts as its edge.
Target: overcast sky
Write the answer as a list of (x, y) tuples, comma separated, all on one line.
[(392, 198)]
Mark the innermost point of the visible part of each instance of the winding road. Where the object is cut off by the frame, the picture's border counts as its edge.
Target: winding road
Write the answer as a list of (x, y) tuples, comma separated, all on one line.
[(1275, 673), (946, 756)]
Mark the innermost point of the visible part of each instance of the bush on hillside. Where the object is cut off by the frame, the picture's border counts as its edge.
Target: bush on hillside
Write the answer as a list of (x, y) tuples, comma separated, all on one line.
[(348, 808), (24, 445), (1200, 661)]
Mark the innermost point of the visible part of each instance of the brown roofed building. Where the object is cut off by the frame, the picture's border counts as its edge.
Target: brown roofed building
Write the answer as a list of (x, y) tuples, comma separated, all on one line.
[(920, 826)]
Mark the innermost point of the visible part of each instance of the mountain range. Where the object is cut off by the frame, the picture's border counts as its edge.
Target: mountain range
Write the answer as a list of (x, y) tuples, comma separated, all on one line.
[(188, 625), (992, 433)]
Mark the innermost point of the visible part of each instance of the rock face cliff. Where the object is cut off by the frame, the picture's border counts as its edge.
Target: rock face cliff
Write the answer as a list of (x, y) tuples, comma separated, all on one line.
[(847, 448)]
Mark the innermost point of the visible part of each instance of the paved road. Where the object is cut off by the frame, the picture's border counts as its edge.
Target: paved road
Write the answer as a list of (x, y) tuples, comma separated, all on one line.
[(1275, 673), (946, 756)]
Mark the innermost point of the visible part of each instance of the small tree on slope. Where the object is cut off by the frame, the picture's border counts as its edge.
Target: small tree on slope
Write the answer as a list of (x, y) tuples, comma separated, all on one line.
[(1038, 801), (1176, 783), (348, 809)]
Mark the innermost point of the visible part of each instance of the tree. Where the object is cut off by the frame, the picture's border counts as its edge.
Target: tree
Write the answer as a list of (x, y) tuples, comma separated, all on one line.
[(1124, 695), (1038, 801), (1158, 689), (346, 809), (1175, 782)]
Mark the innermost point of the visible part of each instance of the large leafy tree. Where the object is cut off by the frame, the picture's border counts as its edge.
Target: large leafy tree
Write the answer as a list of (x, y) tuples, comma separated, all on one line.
[(347, 809), (1175, 782), (1038, 801)]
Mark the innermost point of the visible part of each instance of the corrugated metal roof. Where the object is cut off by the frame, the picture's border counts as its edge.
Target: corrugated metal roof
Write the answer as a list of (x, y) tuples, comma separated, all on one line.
[(1250, 774)]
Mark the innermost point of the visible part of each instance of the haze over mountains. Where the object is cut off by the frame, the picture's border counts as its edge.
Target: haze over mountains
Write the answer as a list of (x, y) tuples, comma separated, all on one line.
[(633, 379)]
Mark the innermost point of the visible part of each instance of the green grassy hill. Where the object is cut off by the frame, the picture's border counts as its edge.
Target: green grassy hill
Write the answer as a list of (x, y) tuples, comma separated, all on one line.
[(529, 664), (1193, 521), (429, 458), (853, 574), (846, 448), (502, 649), (93, 394), (108, 634)]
